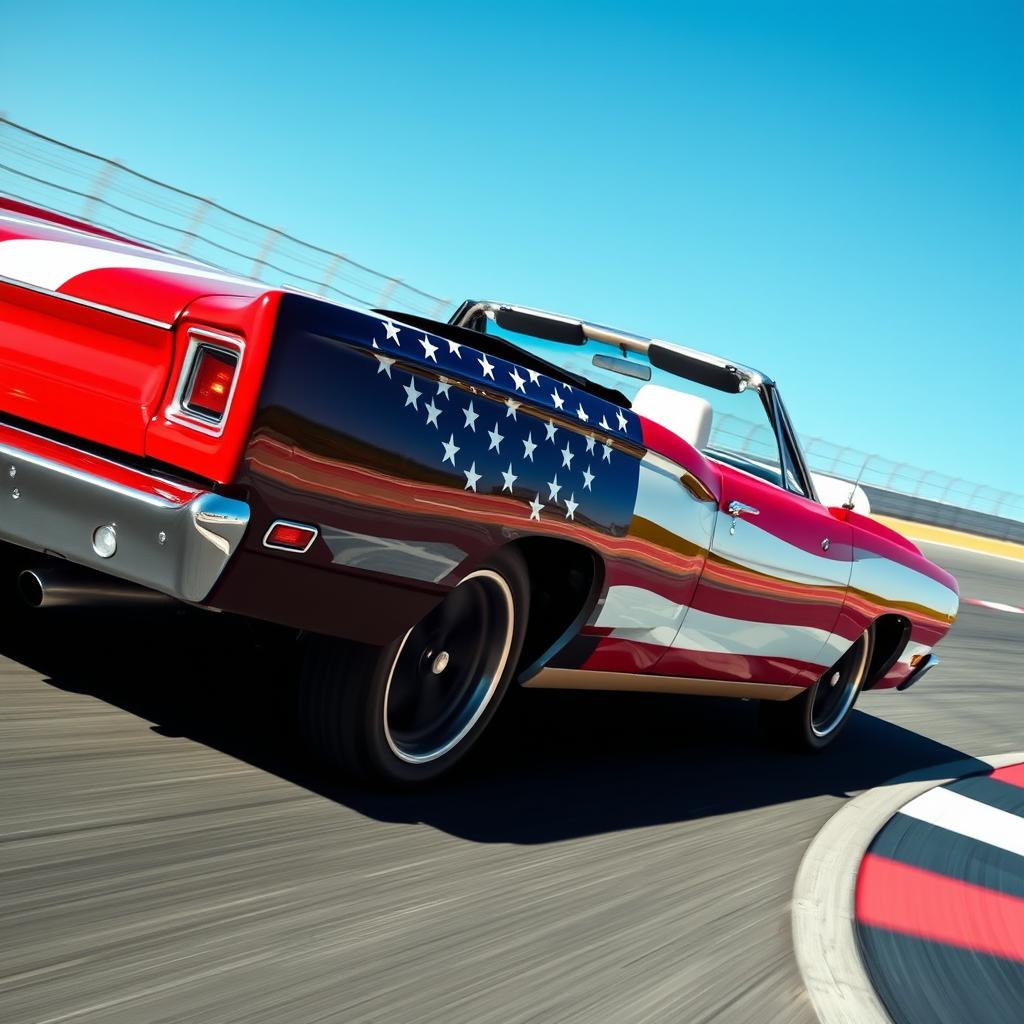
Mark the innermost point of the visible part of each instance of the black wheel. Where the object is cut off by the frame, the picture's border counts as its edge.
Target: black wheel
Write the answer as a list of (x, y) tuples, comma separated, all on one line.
[(814, 719), (406, 713)]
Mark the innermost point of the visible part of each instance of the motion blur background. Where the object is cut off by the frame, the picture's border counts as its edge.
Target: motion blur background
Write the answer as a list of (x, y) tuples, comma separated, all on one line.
[(834, 193)]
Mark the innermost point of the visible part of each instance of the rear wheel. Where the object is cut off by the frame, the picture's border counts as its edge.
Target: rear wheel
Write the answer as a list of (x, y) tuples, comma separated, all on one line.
[(407, 713), (814, 719)]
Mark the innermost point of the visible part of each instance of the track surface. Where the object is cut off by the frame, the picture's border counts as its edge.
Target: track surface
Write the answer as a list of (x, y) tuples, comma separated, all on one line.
[(168, 854)]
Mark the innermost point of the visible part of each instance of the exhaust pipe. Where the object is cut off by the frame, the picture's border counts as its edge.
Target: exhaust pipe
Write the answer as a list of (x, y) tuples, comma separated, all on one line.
[(77, 588)]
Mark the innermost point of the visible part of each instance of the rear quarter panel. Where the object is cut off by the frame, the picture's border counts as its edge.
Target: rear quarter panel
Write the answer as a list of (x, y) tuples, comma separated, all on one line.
[(416, 458)]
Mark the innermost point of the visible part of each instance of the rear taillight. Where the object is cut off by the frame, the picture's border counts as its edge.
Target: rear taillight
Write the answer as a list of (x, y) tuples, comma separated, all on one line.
[(206, 384), (288, 536), (213, 373)]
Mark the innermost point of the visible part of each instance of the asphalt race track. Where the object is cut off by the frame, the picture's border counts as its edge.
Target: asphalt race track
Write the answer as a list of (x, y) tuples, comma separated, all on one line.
[(169, 855)]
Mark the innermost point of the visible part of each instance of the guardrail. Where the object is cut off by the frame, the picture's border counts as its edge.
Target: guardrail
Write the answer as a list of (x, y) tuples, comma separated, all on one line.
[(38, 169)]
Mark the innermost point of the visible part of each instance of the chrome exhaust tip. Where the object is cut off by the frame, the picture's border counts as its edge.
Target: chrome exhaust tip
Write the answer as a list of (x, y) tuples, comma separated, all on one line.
[(79, 588)]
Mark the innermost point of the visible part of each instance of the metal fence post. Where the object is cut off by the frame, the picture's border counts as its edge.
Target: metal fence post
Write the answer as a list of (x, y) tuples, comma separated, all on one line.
[(99, 186)]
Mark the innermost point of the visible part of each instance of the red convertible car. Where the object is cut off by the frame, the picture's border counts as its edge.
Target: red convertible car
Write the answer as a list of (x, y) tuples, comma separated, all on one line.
[(438, 510)]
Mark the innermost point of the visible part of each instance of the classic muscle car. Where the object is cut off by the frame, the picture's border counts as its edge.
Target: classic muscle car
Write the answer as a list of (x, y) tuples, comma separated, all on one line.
[(438, 510)]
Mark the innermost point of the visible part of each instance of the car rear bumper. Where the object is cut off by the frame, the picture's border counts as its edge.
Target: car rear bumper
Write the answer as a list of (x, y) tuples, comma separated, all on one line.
[(168, 536)]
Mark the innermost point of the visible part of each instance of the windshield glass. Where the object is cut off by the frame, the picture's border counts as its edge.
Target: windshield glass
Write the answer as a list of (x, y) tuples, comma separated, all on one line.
[(741, 433)]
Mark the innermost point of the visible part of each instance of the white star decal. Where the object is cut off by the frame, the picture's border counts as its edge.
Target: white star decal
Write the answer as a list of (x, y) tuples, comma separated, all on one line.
[(567, 456), (511, 406), (429, 351), (588, 479), (510, 478), (590, 442), (622, 419), (432, 413), (529, 447), (496, 439), (412, 396), (534, 376), (486, 366), (551, 429), (471, 417), (392, 332), (553, 488), (519, 382), (454, 348), (604, 423), (568, 387), (581, 414), (607, 454), (442, 389), (384, 365), (557, 399), (450, 450), (373, 343), (535, 508), (472, 476), (570, 507)]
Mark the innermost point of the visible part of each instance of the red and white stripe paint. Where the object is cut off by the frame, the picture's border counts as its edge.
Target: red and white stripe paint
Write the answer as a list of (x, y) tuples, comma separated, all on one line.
[(996, 606)]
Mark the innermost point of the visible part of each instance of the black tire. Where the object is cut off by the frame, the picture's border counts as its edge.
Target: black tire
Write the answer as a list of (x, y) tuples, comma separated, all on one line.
[(815, 719), (407, 713)]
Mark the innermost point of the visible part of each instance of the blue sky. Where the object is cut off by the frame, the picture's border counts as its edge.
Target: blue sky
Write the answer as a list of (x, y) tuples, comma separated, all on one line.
[(831, 192)]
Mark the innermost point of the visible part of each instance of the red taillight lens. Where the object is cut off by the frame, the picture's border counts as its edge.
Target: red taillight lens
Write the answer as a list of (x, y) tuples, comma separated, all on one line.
[(212, 375), (291, 536)]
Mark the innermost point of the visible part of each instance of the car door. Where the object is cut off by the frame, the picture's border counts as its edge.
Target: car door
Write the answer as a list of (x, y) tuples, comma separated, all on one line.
[(773, 585)]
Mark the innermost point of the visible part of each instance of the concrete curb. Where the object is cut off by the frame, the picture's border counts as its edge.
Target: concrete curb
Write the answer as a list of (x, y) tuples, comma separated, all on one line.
[(824, 935)]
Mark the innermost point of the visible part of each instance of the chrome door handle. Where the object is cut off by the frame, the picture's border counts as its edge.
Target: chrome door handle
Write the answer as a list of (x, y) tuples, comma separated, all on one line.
[(738, 508)]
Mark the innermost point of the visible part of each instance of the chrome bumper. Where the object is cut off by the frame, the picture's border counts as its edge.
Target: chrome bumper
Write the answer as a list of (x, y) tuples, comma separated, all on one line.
[(169, 537)]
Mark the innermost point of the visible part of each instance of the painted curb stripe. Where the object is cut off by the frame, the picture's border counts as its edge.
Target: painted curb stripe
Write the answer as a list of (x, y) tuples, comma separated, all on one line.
[(911, 901), (825, 931), (920, 845), (994, 605), (968, 817), (1011, 776), (996, 794), (939, 984)]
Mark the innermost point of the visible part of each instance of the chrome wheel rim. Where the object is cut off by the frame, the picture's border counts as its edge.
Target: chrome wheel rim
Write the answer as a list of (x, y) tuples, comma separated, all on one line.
[(837, 689), (447, 669)]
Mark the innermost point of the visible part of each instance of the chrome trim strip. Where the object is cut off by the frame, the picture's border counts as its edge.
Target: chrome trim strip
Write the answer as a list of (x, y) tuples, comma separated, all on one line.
[(198, 338), (584, 679), (123, 313), (299, 526)]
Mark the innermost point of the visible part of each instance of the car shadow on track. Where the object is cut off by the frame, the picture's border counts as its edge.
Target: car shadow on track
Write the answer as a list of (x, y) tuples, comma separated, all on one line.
[(553, 765)]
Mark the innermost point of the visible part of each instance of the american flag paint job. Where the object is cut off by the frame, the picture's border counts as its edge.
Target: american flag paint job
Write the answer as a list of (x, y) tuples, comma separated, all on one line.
[(442, 452)]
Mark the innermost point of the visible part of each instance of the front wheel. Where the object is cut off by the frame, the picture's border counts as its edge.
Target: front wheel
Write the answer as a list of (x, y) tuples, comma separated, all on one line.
[(814, 719), (407, 713)]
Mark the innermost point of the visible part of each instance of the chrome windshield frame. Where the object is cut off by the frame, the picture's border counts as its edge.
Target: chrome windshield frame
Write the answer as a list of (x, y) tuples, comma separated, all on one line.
[(614, 338)]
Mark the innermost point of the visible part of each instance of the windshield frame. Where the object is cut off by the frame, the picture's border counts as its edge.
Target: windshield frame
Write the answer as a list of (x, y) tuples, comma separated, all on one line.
[(472, 313)]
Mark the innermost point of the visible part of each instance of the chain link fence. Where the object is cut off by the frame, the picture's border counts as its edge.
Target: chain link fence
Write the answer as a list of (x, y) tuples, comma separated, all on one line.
[(44, 171)]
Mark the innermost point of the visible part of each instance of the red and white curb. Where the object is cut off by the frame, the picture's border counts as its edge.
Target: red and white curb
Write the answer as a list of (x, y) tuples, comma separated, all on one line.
[(996, 606), (824, 896)]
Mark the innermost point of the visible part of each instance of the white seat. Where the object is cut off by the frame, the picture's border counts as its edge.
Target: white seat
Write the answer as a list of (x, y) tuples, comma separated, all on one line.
[(687, 416)]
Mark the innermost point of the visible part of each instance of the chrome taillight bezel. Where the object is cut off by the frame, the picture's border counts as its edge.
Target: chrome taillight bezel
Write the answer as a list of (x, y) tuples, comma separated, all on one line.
[(290, 522), (178, 411)]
